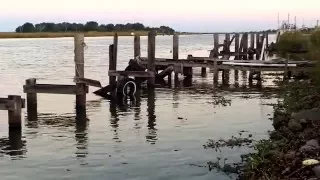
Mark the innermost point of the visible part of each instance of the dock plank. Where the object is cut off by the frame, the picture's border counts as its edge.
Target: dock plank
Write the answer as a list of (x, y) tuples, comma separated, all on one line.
[(54, 89), (131, 73)]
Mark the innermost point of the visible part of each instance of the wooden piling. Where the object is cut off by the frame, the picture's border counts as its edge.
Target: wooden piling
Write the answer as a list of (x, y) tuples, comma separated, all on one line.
[(151, 57), (216, 42), (32, 104), (236, 45), (226, 72), (258, 49), (203, 72), (115, 48), (14, 114), (137, 46), (79, 68), (112, 64), (215, 72), (245, 45), (266, 35), (175, 53), (252, 40), (236, 48)]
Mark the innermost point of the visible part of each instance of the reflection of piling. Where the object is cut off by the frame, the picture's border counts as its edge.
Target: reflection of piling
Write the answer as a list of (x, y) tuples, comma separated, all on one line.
[(151, 57), (152, 135), (81, 134), (15, 142), (226, 72), (175, 55)]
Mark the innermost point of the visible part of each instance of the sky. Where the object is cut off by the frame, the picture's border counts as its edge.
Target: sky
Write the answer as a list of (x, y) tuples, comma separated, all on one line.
[(182, 15)]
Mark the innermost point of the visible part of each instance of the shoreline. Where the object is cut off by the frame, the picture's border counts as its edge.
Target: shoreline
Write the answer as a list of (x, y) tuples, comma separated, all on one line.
[(14, 35)]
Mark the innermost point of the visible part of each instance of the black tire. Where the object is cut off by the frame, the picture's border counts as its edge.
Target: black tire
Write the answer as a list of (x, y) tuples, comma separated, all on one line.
[(129, 88)]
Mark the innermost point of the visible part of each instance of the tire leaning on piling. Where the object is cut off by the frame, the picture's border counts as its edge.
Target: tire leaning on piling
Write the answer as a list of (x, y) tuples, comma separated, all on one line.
[(133, 88)]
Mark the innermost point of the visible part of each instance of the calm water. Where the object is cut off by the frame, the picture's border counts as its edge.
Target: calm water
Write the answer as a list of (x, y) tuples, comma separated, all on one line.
[(157, 138)]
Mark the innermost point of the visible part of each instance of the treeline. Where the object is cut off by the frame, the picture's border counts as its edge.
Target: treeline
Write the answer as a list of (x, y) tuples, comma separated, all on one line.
[(89, 26)]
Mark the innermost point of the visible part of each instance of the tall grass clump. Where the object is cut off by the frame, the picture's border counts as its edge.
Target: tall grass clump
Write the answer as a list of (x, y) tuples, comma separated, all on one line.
[(292, 42)]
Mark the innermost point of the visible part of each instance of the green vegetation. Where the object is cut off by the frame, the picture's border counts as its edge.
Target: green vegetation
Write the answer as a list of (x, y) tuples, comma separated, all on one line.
[(89, 27), (296, 122)]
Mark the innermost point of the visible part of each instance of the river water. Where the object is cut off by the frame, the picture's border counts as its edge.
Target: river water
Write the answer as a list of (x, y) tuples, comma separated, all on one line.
[(161, 137)]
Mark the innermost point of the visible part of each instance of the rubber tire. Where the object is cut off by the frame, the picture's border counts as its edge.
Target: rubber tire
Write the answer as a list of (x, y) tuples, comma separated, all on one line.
[(134, 86)]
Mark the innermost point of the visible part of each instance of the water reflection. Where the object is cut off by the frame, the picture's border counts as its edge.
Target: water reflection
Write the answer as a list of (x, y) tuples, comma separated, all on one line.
[(152, 131), (137, 110), (114, 120), (78, 120), (13, 145), (81, 134)]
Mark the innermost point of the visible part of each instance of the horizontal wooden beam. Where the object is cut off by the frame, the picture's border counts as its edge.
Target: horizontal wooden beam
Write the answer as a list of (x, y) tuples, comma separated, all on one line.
[(233, 53), (131, 73), (89, 82), (55, 89), (266, 68), (6, 104), (204, 59)]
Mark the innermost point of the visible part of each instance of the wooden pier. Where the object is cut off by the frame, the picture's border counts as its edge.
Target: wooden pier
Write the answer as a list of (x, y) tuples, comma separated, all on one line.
[(249, 55)]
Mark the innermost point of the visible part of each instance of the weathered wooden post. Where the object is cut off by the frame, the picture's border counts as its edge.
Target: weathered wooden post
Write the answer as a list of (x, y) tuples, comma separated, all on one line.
[(203, 72), (115, 47), (252, 40), (245, 45), (136, 46), (32, 103), (112, 64), (215, 63), (226, 72), (14, 113), (79, 69), (258, 49), (236, 48), (187, 71), (236, 45), (215, 72), (151, 57), (266, 35), (175, 54)]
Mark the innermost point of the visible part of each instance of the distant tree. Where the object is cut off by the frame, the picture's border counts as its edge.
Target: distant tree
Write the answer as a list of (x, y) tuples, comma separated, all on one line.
[(19, 29), (26, 28), (91, 26), (110, 27)]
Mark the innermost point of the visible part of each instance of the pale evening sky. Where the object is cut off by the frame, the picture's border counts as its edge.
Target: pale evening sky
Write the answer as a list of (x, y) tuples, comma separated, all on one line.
[(182, 15)]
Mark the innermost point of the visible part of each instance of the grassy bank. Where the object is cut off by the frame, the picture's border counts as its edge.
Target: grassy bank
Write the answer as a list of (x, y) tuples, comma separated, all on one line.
[(296, 122), (10, 35)]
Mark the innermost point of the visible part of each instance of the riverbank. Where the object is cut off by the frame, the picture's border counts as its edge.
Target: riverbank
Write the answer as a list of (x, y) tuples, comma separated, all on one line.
[(11, 35), (296, 120)]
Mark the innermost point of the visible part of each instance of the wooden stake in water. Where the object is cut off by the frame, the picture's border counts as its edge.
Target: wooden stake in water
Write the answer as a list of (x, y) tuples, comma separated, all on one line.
[(151, 57), (79, 69), (14, 114), (32, 103), (137, 46), (175, 54)]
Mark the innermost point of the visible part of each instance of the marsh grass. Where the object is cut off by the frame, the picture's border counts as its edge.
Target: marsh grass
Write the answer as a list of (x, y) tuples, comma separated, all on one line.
[(10, 35)]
